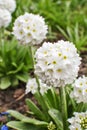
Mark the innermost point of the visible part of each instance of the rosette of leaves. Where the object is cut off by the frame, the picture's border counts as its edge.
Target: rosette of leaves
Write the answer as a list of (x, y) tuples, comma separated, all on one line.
[(44, 116), (48, 113), (15, 63)]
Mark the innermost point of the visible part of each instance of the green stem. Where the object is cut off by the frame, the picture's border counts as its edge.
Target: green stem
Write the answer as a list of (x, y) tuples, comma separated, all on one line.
[(63, 107), (41, 100), (1, 34), (31, 55), (80, 107), (42, 103), (54, 97)]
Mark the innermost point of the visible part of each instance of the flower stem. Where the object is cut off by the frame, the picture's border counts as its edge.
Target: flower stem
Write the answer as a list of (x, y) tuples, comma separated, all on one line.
[(63, 107), (31, 55), (80, 107)]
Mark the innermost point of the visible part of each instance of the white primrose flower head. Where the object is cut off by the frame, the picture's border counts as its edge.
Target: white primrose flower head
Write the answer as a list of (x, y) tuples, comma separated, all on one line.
[(5, 18), (32, 86), (57, 64), (78, 121), (79, 92), (30, 29), (10, 5)]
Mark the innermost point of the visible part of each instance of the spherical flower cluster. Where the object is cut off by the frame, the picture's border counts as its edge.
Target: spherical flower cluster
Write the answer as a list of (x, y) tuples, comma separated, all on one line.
[(5, 18), (6, 8), (57, 64), (79, 121), (79, 92), (32, 86), (30, 28), (9, 5)]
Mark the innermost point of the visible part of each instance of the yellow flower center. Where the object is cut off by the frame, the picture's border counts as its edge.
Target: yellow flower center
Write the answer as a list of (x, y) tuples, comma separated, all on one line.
[(29, 34), (21, 32), (45, 52), (65, 57), (26, 20), (59, 54), (54, 62), (80, 84), (34, 30), (79, 90), (28, 27), (46, 62), (59, 70)]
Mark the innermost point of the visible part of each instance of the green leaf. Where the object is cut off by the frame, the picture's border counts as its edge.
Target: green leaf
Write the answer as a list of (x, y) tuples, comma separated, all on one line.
[(14, 82), (23, 126), (4, 83), (1, 75), (69, 31), (31, 60), (16, 114), (23, 77), (35, 109), (56, 116), (17, 70), (34, 121), (63, 32), (21, 53), (52, 98), (14, 64)]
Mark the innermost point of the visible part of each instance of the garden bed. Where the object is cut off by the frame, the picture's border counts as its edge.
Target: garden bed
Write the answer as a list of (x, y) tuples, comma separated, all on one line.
[(20, 60)]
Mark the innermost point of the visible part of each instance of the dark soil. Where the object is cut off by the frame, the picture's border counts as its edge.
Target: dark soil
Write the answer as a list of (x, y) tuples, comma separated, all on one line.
[(14, 98)]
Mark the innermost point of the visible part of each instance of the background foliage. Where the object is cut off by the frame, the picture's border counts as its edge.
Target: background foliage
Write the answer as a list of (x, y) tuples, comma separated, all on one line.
[(67, 19)]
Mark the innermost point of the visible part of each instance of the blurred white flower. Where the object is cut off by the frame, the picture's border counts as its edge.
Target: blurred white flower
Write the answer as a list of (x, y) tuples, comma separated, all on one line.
[(32, 86), (76, 126), (10, 5), (57, 64), (5, 18), (43, 87), (79, 121), (79, 92), (30, 28)]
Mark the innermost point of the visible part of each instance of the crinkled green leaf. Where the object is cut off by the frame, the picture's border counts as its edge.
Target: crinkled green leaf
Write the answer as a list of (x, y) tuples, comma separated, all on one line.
[(23, 77), (14, 82), (34, 121), (16, 114), (4, 83), (56, 116), (35, 109), (18, 125)]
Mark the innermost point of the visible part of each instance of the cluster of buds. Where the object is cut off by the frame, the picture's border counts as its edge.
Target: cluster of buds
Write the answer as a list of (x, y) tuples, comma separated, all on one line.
[(51, 126), (84, 122)]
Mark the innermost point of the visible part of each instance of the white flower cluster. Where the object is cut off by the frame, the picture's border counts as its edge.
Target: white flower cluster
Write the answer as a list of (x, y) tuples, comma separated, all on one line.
[(79, 121), (32, 86), (79, 92), (6, 8), (30, 28), (57, 64), (9, 5), (5, 18)]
